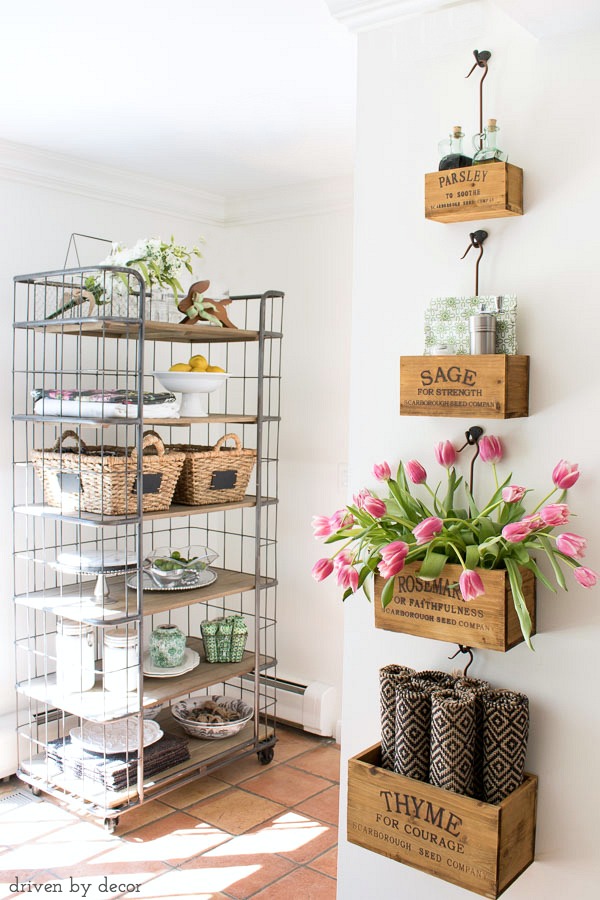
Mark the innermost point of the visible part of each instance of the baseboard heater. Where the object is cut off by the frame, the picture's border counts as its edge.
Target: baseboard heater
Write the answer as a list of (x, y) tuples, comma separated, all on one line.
[(312, 707)]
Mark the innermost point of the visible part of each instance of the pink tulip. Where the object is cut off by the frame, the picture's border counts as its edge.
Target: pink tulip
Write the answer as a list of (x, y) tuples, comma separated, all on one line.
[(513, 493), (571, 545), (565, 474), (392, 558), (341, 518), (322, 569), (555, 514), (415, 471), (359, 499), (347, 577), (427, 529), (470, 584), (381, 471), (374, 506), (490, 449), (586, 577), (516, 532), (445, 454), (343, 559), (322, 526)]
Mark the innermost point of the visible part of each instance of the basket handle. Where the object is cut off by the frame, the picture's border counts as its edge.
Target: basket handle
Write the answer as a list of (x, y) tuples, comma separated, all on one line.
[(226, 437), (81, 444), (151, 438)]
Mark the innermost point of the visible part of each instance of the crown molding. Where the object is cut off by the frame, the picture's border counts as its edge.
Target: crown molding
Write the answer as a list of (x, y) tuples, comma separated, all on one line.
[(363, 15), (308, 198), (55, 171), (67, 174)]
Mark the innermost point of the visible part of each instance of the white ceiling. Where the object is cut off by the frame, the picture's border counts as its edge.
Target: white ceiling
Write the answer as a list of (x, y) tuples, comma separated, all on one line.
[(230, 96)]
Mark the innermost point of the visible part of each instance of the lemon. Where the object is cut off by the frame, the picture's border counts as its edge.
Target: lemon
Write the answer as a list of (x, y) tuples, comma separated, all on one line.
[(180, 367), (198, 363), (214, 369)]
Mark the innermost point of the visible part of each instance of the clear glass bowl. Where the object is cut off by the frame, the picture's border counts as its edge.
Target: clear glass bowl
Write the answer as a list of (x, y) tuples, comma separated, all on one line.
[(171, 565)]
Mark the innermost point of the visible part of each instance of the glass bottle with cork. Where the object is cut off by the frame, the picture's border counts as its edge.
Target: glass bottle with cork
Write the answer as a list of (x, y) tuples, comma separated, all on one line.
[(451, 151), (486, 145)]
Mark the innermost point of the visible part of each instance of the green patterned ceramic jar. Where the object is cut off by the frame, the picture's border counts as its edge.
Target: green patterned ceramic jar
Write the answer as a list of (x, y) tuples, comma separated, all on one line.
[(167, 646)]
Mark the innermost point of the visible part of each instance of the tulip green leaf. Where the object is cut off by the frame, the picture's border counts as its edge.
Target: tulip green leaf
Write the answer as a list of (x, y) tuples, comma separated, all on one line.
[(432, 565), (516, 582), (388, 592), (472, 557), (558, 572), (533, 566)]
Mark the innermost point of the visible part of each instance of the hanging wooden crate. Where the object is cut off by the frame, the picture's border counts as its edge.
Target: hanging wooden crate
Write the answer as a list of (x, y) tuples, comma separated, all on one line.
[(488, 191), (435, 609), (491, 386), (479, 846)]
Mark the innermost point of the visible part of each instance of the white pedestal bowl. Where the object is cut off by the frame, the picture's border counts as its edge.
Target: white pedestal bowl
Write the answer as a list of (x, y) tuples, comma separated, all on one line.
[(192, 386)]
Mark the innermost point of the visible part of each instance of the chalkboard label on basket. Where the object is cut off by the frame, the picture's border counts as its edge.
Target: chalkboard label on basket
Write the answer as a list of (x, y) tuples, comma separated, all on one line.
[(150, 483), (222, 481), (69, 483)]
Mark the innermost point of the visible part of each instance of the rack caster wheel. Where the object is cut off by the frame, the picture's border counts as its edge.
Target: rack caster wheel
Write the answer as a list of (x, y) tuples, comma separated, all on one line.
[(265, 755), (111, 825), (36, 791)]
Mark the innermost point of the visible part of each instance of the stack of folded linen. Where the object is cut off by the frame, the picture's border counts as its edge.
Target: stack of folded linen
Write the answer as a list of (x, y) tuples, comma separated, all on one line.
[(100, 404)]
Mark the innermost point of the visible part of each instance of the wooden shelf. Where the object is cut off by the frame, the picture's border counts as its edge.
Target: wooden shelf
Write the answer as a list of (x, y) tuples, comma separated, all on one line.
[(99, 705), (489, 191), (174, 511), (153, 331), (488, 386), (76, 601), (204, 420), (204, 756)]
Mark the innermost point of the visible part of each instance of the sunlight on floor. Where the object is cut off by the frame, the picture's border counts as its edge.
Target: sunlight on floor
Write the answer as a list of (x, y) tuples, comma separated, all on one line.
[(288, 832)]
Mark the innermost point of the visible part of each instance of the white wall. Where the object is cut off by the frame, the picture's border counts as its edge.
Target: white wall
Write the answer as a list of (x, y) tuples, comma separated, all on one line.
[(310, 258), (545, 96)]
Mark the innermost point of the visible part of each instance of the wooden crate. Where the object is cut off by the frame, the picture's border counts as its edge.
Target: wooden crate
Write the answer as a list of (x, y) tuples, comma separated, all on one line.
[(479, 846), (435, 609), (487, 191), (489, 386)]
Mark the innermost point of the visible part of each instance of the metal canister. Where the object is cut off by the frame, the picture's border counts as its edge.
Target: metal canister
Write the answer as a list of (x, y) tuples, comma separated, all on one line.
[(482, 330)]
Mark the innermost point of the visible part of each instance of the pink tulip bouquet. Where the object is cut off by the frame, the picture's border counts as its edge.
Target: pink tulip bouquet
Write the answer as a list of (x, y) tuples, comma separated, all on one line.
[(381, 534)]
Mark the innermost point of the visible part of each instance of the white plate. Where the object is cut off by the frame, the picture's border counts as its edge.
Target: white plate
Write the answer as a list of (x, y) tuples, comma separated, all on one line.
[(188, 582), (116, 737), (95, 561), (191, 659)]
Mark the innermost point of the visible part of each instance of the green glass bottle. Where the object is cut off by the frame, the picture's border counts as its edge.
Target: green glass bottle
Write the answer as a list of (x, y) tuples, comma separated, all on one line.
[(486, 145)]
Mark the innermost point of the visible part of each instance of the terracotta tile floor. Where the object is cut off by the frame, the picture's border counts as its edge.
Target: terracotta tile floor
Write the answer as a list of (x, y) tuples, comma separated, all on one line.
[(266, 832)]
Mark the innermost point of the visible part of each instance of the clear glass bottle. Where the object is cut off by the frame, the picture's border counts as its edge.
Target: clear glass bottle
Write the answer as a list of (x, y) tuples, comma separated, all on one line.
[(486, 145), (451, 151)]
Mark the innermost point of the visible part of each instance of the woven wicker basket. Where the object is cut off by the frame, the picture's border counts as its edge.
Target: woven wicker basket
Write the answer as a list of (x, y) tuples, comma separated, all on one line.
[(103, 479), (216, 474)]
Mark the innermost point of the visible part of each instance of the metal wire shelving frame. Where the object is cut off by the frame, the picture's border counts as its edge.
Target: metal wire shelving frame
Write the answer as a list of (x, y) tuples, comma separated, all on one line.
[(116, 347)]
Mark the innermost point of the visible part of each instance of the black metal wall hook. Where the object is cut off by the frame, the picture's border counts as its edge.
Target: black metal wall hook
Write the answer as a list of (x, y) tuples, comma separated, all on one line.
[(472, 435), (477, 239), (463, 649), (482, 58)]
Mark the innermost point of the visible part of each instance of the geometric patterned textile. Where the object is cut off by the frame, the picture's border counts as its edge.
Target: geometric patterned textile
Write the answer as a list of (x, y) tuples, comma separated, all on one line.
[(505, 733), (413, 730), (389, 678), (478, 687), (434, 681), (452, 741), (447, 322)]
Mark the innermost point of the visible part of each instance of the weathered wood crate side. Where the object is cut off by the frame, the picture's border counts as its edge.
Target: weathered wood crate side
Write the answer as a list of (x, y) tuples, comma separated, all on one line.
[(436, 609), (478, 846), (488, 191), (490, 386)]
